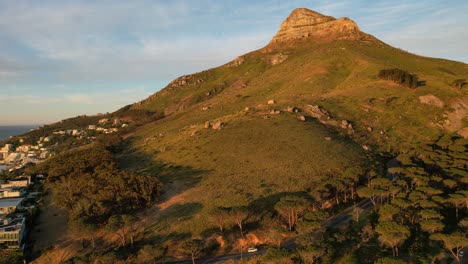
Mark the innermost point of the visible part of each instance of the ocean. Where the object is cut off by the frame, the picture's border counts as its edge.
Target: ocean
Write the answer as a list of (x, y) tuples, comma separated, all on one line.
[(7, 131)]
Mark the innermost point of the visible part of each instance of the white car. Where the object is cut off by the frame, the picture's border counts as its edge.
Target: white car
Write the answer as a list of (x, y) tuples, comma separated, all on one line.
[(461, 253), (252, 249)]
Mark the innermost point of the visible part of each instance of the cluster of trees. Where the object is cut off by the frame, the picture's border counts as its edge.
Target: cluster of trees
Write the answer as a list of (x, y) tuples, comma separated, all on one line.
[(137, 117), (399, 76), (427, 202), (420, 211), (89, 184)]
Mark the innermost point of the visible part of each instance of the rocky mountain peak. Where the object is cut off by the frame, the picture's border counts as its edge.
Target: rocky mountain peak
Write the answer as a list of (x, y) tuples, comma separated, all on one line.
[(304, 23)]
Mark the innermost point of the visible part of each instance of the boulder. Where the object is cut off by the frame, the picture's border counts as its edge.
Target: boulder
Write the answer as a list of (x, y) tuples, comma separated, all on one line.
[(207, 125), (344, 124), (302, 118), (275, 112), (217, 125), (328, 138), (291, 109), (431, 100), (246, 109), (317, 112), (277, 58), (271, 102)]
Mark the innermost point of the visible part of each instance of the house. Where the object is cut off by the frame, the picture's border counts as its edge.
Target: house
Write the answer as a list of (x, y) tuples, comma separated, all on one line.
[(24, 181), (9, 205), (104, 121), (23, 148), (14, 157), (12, 192), (12, 231)]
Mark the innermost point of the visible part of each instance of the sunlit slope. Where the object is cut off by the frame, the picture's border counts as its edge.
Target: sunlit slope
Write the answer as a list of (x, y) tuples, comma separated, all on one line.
[(264, 150), (341, 76)]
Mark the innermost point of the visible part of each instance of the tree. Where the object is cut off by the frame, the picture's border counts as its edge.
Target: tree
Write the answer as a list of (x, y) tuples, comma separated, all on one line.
[(431, 226), (454, 242), (290, 207), (370, 193), (389, 261), (84, 230), (387, 212), (392, 234), (193, 247), (151, 254), (457, 200), (238, 215), (122, 226), (219, 216), (311, 255)]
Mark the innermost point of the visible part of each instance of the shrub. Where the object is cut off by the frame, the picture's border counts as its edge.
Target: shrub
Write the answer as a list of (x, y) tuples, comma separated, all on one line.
[(399, 76)]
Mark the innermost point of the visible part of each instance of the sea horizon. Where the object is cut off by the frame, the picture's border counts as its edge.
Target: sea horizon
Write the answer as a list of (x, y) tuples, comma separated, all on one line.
[(14, 130)]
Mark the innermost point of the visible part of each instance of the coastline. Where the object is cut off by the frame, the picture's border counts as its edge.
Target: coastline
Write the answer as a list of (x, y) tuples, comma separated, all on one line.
[(6, 131)]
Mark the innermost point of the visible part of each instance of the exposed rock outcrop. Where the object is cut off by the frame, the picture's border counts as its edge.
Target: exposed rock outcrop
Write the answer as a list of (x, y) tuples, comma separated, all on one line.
[(236, 62), (454, 118), (217, 125), (317, 112), (277, 58), (304, 23), (431, 100)]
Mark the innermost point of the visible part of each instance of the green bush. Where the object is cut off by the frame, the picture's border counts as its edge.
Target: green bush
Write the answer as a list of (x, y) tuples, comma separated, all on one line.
[(399, 76)]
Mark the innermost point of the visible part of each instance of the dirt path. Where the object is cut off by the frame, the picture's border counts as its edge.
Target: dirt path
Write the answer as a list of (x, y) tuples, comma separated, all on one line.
[(50, 227), (174, 193)]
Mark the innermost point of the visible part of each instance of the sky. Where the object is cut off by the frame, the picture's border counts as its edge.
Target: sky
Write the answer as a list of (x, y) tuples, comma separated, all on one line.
[(60, 59)]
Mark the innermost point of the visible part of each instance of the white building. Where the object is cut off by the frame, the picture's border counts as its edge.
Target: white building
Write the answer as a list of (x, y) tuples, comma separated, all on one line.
[(11, 193), (9, 205), (14, 157), (7, 148), (12, 231), (17, 182)]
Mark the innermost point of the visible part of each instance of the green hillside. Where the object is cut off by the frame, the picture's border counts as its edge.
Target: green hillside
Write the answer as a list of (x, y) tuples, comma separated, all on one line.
[(258, 155), (306, 120)]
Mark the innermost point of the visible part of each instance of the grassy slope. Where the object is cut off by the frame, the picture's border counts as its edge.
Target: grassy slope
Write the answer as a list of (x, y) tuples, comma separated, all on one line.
[(253, 157)]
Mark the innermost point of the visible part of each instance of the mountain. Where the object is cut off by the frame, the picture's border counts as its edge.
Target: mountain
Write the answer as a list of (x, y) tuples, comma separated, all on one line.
[(321, 66), (305, 115)]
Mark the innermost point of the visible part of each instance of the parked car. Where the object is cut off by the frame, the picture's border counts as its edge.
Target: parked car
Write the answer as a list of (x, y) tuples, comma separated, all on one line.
[(252, 249), (461, 253)]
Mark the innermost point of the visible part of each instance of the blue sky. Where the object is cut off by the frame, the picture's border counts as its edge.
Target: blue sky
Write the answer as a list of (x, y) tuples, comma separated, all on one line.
[(60, 59)]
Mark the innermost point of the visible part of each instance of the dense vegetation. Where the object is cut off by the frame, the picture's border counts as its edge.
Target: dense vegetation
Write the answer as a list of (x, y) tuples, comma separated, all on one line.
[(88, 183), (399, 76)]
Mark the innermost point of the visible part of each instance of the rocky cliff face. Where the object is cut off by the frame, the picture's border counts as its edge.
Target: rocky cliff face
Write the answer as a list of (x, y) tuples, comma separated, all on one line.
[(304, 23)]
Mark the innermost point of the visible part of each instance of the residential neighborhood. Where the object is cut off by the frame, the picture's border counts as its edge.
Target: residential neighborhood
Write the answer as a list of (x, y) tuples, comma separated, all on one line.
[(17, 206), (16, 156), (19, 196)]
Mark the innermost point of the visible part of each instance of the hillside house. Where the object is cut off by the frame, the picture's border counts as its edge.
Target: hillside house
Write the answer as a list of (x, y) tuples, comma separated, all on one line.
[(17, 182), (12, 231), (9, 205), (12, 193)]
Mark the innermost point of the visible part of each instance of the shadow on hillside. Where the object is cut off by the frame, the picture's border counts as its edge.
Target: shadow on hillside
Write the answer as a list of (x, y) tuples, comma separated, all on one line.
[(181, 212), (175, 178), (267, 203)]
